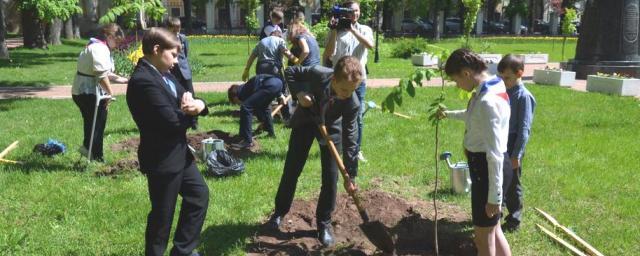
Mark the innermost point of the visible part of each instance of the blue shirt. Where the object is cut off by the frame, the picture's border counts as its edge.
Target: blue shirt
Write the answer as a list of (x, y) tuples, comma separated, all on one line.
[(314, 50), (523, 105), (269, 49)]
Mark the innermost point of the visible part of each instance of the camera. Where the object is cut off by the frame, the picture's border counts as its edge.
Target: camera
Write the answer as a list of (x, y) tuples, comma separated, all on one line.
[(343, 16)]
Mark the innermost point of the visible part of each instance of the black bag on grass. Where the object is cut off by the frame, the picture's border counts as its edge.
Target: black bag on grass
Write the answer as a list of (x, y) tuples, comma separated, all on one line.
[(221, 163)]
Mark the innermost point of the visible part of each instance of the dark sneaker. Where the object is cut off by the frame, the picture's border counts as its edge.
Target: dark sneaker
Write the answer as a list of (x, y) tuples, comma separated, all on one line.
[(325, 235), (274, 222), (510, 226), (243, 144)]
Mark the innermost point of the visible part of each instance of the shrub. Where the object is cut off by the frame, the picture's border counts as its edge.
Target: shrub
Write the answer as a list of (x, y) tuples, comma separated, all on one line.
[(320, 31), (404, 48)]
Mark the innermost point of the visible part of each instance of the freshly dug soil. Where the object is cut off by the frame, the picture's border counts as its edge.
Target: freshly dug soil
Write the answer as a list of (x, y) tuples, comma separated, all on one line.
[(410, 223), (194, 139)]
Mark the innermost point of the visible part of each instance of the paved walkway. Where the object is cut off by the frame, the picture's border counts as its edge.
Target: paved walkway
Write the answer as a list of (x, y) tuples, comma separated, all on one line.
[(64, 91)]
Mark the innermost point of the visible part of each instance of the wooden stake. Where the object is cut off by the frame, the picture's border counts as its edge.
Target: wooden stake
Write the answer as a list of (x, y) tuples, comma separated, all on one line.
[(589, 248), (402, 115), (571, 248), (9, 161), (8, 149)]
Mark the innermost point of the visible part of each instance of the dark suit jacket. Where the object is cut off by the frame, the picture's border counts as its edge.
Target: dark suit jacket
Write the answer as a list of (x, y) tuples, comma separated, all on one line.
[(183, 63), (161, 122), (340, 116)]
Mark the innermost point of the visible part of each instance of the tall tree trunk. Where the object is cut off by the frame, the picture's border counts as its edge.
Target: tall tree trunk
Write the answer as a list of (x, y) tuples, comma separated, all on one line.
[(4, 52), (55, 30), (228, 6), (188, 26), (33, 34), (68, 28), (75, 19), (436, 28)]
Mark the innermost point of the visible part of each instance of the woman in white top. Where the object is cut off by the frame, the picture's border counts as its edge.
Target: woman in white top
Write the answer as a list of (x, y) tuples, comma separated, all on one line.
[(485, 141), (93, 78)]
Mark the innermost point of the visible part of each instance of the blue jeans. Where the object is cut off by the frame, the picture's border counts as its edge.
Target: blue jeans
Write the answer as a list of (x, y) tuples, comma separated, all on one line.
[(360, 92)]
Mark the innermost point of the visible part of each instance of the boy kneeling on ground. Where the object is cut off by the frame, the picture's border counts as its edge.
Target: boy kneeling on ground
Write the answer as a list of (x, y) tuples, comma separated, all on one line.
[(325, 97), (255, 96)]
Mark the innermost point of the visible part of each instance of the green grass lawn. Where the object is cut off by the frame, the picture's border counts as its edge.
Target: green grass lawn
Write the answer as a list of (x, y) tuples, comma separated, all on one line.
[(580, 167), (224, 59)]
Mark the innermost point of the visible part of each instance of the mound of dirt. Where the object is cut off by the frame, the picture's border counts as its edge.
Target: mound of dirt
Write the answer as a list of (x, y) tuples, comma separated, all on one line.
[(123, 166), (194, 139), (410, 223)]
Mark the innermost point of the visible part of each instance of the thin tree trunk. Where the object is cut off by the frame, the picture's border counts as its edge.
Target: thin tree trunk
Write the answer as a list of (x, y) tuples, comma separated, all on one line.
[(76, 26), (187, 17), (228, 6), (68, 28), (54, 32), (4, 52), (436, 31)]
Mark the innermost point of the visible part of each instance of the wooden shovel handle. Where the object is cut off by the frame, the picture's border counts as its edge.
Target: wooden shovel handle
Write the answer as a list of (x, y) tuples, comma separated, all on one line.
[(280, 106), (343, 170)]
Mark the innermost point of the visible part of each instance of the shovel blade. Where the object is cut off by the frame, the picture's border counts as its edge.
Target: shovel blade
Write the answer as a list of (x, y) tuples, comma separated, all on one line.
[(378, 235)]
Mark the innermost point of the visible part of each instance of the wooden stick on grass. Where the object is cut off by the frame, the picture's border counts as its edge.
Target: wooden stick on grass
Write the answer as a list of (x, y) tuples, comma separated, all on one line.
[(8, 149), (9, 161), (589, 248), (567, 245)]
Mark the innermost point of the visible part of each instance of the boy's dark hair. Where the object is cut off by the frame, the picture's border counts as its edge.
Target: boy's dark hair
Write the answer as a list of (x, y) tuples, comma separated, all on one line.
[(173, 22), (277, 14), (232, 92), (513, 62), (159, 36), (110, 29), (464, 58), (349, 68)]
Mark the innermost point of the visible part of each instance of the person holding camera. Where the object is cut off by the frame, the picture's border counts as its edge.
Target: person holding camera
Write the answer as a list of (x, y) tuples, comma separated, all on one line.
[(350, 38), (325, 96)]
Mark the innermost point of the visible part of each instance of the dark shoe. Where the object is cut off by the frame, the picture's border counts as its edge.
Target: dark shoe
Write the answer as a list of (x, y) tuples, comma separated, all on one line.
[(243, 144), (274, 222), (325, 235), (510, 226)]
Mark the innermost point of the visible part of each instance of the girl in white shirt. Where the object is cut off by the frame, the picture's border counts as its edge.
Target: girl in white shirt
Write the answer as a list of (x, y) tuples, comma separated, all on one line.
[(485, 141), (94, 75)]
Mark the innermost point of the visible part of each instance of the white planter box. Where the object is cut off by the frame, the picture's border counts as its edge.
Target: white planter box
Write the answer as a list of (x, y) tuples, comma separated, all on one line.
[(536, 58), (424, 60), (554, 77), (490, 57), (615, 86)]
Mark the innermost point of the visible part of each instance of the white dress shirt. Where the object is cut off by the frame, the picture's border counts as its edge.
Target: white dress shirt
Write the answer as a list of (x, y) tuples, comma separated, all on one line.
[(95, 63), (487, 129)]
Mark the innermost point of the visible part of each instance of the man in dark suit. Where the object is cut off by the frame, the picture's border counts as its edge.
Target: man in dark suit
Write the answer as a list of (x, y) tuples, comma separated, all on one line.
[(324, 95), (163, 112)]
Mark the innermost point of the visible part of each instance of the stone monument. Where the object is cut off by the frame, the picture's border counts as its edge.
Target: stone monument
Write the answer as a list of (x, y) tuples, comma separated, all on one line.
[(608, 40)]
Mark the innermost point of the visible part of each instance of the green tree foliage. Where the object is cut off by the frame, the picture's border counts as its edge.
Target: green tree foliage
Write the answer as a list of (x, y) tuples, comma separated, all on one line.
[(517, 7), (251, 20), (472, 7), (568, 28), (47, 10), (134, 12)]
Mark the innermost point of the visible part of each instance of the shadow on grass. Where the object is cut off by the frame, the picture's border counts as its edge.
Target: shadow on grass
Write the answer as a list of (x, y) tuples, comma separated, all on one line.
[(36, 86), (215, 54), (122, 130), (225, 113), (218, 103), (217, 65), (27, 59), (222, 239), (7, 104)]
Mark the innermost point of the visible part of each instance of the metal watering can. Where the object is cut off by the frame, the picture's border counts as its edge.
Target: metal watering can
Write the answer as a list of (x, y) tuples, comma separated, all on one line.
[(209, 145), (458, 175)]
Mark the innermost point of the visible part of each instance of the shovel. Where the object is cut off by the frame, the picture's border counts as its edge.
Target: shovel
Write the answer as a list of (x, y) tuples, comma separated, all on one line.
[(375, 231)]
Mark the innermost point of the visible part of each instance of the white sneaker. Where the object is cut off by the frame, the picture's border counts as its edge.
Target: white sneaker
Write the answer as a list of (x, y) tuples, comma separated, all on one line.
[(361, 157), (83, 151)]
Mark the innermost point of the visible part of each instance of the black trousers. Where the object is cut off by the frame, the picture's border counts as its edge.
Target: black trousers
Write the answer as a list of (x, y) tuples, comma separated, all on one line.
[(514, 192), (86, 104), (299, 144), (479, 172), (259, 104), (163, 192)]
